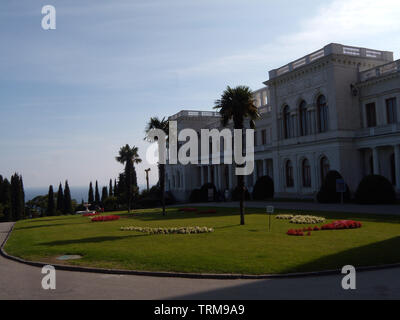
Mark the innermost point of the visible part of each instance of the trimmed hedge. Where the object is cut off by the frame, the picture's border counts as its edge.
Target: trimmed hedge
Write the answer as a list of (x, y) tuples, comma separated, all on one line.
[(263, 189), (375, 189), (327, 193), (204, 192), (236, 194)]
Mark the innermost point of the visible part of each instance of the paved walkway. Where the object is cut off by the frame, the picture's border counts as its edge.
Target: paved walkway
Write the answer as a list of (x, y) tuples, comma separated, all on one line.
[(19, 281), (311, 206)]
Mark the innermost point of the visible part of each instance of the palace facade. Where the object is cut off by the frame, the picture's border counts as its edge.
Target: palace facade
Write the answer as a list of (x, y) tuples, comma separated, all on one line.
[(335, 109)]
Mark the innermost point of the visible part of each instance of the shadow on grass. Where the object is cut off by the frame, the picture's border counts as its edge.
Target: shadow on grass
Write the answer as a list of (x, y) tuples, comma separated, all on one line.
[(49, 225), (88, 240), (49, 219), (374, 254)]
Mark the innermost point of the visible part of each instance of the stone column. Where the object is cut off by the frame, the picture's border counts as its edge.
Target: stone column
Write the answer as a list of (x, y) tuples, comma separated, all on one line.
[(218, 177), (397, 165), (265, 169), (209, 174), (255, 173), (202, 176), (375, 155)]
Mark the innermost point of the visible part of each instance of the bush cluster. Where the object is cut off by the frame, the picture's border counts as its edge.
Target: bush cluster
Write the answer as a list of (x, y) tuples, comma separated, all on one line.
[(263, 189), (375, 189)]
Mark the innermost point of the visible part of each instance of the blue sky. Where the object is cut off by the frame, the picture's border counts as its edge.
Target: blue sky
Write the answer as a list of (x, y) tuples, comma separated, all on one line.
[(71, 97)]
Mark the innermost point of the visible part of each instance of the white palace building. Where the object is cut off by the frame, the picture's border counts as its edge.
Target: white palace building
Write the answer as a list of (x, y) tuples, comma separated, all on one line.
[(335, 109)]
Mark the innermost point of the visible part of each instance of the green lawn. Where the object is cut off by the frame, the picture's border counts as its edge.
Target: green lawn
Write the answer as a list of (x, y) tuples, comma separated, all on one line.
[(231, 248)]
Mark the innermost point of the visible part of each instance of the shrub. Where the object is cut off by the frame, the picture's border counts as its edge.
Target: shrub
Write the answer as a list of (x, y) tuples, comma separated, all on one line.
[(236, 194), (375, 189), (195, 196), (327, 193), (110, 204), (204, 192), (263, 189), (342, 224)]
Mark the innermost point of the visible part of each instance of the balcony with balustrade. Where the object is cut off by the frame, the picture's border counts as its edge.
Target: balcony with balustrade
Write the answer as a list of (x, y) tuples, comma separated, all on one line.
[(383, 70)]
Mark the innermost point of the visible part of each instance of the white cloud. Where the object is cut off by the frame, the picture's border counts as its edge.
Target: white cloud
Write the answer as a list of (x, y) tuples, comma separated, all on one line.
[(353, 22)]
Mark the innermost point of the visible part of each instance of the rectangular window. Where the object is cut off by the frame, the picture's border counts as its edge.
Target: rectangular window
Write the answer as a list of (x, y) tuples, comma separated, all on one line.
[(371, 115), (255, 138), (264, 137), (391, 112)]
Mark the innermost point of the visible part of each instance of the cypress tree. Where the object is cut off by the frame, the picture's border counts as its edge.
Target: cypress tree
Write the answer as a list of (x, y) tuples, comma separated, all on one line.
[(17, 202), (104, 195), (90, 195), (23, 195), (97, 194), (60, 200), (110, 189), (51, 210), (115, 188), (67, 199), (5, 197)]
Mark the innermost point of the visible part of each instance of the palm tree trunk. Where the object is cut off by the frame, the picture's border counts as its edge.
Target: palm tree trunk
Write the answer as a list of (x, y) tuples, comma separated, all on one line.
[(162, 186), (242, 195)]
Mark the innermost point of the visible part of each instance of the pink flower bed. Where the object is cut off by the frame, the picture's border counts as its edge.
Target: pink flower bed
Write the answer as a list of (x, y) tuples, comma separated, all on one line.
[(105, 218), (336, 225)]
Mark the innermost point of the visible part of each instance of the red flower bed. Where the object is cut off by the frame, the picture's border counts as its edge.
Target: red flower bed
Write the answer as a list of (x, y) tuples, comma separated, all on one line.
[(208, 211), (90, 214), (336, 225), (105, 218), (342, 224), (188, 210)]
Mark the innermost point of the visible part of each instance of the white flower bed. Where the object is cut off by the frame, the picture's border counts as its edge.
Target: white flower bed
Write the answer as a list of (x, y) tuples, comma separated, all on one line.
[(307, 220), (182, 230)]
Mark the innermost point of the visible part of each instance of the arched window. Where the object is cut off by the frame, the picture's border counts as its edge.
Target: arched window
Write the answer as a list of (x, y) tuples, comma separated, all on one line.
[(324, 168), (322, 108), (304, 127), (286, 122), (306, 171), (289, 174)]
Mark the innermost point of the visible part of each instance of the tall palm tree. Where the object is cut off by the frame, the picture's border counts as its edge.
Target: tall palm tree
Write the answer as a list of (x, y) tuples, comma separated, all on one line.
[(161, 124), (237, 104), (129, 156)]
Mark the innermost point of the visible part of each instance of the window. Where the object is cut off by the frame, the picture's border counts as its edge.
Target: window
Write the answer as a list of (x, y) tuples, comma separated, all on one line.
[(391, 111), (304, 127), (371, 115), (324, 168), (264, 137), (255, 138), (289, 174), (306, 170), (322, 109), (286, 122)]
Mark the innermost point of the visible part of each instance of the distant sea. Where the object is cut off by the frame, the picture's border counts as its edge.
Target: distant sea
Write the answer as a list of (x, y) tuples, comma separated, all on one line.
[(77, 193)]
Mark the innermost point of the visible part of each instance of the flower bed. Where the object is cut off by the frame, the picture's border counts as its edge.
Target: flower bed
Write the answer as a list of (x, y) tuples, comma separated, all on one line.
[(188, 210), (342, 224), (285, 216), (307, 220), (336, 225), (91, 214), (208, 211), (105, 218), (182, 230)]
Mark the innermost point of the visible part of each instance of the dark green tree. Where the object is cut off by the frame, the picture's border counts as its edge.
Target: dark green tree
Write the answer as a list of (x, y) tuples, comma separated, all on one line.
[(237, 104), (67, 199), (5, 199), (51, 210), (60, 200), (104, 195), (90, 194), (17, 198), (160, 124), (97, 195), (115, 188), (129, 156), (110, 189)]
